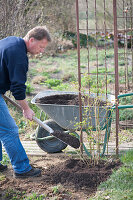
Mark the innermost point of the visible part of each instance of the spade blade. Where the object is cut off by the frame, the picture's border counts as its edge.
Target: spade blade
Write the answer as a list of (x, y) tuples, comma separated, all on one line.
[(66, 138)]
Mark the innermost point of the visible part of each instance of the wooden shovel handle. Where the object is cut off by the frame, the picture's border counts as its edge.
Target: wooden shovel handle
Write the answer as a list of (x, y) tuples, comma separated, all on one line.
[(12, 102), (38, 121)]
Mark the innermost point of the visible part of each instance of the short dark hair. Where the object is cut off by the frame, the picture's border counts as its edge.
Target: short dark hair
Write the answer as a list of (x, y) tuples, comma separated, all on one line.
[(39, 33)]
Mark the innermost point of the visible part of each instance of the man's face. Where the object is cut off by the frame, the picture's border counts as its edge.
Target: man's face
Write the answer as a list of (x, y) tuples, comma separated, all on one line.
[(37, 46)]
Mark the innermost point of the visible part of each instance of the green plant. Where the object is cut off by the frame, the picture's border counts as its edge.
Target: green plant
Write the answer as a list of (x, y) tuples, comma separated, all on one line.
[(29, 88), (5, 160), (37, 110), (35, 196), (121, 63), (2, 177), (86, 80), (125, 114), (13, 195), (82, 66), (22, 124), (45, 74), (55, 71), (62, 87), (32, 72), (52, 82), (94, 119), (83, 38), (56, 189), (34, 60)]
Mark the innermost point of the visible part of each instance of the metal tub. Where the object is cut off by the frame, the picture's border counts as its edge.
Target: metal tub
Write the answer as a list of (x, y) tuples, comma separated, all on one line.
[(67, 116)]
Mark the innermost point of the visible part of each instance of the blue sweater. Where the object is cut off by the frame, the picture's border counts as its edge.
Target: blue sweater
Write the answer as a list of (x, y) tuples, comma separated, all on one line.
[(13, 66)]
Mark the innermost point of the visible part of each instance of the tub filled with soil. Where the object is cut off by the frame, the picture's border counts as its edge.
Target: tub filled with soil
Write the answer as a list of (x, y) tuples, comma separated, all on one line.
[(63, 108)]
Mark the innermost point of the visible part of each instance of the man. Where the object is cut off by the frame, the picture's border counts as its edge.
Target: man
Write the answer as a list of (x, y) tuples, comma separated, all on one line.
[(13, 70)]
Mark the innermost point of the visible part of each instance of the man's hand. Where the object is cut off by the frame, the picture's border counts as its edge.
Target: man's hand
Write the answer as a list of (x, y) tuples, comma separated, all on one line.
[(27, 111), (28, 114)]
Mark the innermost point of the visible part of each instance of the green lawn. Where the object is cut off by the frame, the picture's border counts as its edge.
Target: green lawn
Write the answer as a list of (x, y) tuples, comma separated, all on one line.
[(120, 184), (64, 67)]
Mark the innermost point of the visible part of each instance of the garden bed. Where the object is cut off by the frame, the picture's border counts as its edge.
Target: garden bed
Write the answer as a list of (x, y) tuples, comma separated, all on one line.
[(66, 179)]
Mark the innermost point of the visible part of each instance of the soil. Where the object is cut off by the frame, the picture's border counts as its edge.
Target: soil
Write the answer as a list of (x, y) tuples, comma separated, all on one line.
[(68, 99), (79, 174), (72, 178), (68, 139)]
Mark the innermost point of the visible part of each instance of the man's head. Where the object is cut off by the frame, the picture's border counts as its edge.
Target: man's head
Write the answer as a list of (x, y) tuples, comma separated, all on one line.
[(37, 39)]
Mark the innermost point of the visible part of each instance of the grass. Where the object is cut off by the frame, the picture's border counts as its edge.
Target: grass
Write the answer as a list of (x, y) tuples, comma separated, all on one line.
[(59, 66), (102, 70), (62, 87), (120, 184), (68, 61)]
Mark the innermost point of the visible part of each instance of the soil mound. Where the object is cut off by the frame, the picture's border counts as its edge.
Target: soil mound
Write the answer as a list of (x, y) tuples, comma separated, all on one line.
[(78, 174), (69, 99), (78, 178)]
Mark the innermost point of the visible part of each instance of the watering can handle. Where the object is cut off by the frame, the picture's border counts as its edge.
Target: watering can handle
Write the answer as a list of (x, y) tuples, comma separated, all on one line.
[(38, 121)]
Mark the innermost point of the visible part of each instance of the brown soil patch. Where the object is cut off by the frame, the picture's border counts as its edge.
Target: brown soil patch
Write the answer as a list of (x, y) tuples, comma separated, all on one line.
[(69, 99), (79, 174), (74, 179)]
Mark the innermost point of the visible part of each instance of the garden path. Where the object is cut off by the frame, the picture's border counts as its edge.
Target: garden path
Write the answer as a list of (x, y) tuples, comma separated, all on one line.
[(33, 149)]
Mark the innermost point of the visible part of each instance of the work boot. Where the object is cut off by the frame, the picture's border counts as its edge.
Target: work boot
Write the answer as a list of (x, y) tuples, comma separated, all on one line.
[(34, 172), (3, 167)]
